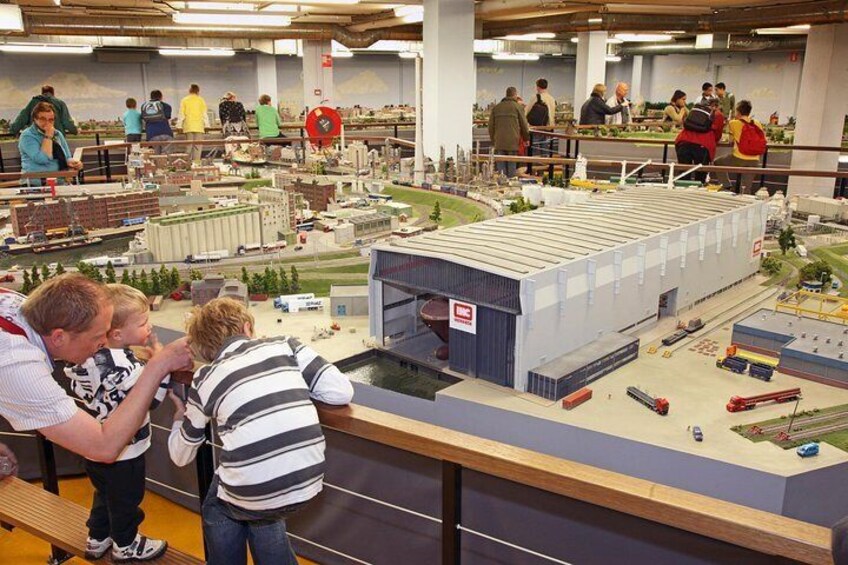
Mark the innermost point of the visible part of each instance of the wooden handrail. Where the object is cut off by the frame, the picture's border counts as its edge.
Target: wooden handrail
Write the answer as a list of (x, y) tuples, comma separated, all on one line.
[(760, 531)]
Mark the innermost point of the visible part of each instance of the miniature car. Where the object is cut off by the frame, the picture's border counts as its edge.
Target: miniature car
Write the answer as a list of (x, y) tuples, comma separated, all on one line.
[(697, 433), (298, 247), (808, 450)]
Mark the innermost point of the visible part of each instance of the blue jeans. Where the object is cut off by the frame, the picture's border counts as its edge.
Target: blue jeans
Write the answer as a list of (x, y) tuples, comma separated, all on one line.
[(227, 538)]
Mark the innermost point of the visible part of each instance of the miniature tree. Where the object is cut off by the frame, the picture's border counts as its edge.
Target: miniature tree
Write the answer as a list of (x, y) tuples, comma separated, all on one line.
[(195, 275), (175, 278), (245, 277), (256, 284), (27, 284), (165, 280), (125, 278), (155, 283), (283, 282), (294, 286), (817, 271), (786, 239), (36, 277), (60, 270), (134, 279), (436, 215), (45, 273), (770, 266), (96, 275), (269, 281), (110, 273), (144, 283)]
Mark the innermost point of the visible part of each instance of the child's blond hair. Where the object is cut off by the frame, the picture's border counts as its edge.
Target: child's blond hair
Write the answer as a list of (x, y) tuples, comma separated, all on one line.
[(210, 325), (127, 301)]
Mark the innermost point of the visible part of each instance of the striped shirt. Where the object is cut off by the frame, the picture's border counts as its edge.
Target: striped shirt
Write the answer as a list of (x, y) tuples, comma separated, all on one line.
[(30, 399), (104, 381), (259, 393)]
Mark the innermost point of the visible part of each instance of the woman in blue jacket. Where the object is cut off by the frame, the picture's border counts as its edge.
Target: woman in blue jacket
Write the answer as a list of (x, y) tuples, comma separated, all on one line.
[(43, 148)]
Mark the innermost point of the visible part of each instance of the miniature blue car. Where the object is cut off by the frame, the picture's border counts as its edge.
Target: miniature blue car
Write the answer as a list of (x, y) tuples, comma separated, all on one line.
[(697, 433), (808, 450)]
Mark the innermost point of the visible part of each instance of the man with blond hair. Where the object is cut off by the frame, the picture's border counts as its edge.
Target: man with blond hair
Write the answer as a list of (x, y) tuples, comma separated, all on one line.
[(259, 393), (67, 318)]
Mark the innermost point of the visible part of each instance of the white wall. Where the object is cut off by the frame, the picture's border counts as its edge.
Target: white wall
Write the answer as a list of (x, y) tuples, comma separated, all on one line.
[(769, 80)]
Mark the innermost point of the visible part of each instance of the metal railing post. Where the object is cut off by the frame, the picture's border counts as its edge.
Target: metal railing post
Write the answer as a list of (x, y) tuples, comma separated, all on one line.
[(205, 466), (2, 162), (451, 512), (765, 164), (108, 166), (665, 160)]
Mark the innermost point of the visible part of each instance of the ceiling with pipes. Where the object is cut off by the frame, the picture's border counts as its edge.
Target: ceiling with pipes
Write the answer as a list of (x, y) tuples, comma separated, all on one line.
[(358, 24)]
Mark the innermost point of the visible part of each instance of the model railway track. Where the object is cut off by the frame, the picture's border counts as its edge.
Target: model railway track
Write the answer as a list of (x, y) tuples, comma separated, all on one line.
[(818, 432), (842, 414)]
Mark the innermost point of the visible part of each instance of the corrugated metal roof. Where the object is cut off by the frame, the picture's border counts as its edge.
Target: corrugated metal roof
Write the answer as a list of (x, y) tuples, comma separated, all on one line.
[(523, 244)]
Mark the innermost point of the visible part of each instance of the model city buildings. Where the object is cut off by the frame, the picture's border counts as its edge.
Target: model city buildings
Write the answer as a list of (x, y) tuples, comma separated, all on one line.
[(319, 191), (527, 289)]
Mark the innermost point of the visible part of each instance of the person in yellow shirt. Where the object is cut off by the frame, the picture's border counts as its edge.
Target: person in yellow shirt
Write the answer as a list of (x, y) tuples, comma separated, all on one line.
[(193, 119), (749, 143)]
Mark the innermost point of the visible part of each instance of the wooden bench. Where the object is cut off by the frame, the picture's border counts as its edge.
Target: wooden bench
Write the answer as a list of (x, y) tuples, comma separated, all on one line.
[(58, 521)]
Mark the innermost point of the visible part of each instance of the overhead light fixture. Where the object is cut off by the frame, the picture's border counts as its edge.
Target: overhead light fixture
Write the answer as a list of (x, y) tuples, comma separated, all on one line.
[(221, 6), (58, 49), (279, 9), (610, 40), (410, 14), (179, 52), (529, 36), (704, 41), (11, 18), (285, 47), (229, 20), (612, 59), (515, 57), (408, 55), (57, 2), (637, 37), (342, 54), (595, 20), (789, 30)]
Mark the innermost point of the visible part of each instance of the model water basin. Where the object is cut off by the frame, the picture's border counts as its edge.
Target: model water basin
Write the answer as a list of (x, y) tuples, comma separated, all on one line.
[(396, 375)]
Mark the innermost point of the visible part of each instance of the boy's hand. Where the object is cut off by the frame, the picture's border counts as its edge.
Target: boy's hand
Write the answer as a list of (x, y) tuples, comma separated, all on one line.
[(176, 356), (179, 405)]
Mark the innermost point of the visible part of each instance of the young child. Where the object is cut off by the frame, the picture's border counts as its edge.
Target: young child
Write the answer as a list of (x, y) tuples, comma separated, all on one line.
[(259, 393), (102, 383), (132, 122)]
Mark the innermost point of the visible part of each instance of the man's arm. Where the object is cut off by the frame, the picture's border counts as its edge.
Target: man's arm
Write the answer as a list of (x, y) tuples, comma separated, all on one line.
[(523, 125), (189, 429), (83, 435), (325, 381)]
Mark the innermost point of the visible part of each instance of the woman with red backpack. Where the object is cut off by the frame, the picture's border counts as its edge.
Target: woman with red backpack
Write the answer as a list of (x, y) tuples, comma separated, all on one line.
[(749, 142)]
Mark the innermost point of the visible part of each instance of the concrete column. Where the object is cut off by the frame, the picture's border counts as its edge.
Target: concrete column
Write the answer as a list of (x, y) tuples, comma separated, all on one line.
[(821, 106), (449, 78), (266, 76), (636, 81), (591, 65), (317, 74)]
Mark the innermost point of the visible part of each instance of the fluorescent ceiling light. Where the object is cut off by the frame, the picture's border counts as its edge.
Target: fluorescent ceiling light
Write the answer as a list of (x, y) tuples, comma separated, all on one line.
[(636, 37), (33, 48), (410, 14), (658, 9), (221, 6), (790, 30), (285, 47), (515, 57), (407, 55), (704, 41), (529, 36), (209, 18), (612, 58), (11, 18), (57, 2), (342, 54), (595, 20), (176, 51), (279, 9), (610, 40), (487, 46)]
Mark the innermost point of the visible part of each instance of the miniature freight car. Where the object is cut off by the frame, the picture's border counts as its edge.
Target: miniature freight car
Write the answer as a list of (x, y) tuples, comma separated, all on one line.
[(731, 363), (658, 405), (675, 337), (761, 371)]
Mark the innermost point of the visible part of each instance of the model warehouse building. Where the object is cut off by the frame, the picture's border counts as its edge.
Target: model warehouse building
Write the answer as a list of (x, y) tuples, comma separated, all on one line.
[(544, 283)]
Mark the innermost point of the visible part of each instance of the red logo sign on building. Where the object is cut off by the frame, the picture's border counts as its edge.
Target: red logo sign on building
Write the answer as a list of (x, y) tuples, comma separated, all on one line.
[(757, 248), (463, 316), (327, 60)]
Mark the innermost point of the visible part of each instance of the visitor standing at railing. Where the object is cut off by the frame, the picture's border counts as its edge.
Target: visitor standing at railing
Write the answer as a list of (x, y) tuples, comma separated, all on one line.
[(233, 117), (749, 143), (132, 122), (507, 127), (64, 122), (594, 111), (156, 115), (259, 392), (541, 113), (618, 99), (676, 112), (193, 120)]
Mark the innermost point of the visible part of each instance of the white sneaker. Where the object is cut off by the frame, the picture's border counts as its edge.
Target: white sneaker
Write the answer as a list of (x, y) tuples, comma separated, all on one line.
[(141, 549), (95, 549)]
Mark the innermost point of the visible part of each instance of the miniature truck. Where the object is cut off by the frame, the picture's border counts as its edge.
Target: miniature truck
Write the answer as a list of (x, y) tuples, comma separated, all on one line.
[(675, 337), (761, 371), (658, 405), (740, 403), (731, 363)]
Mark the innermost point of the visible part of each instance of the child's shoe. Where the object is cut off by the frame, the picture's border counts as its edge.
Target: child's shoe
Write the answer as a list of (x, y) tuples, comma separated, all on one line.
[(141, 549), (95, 549)]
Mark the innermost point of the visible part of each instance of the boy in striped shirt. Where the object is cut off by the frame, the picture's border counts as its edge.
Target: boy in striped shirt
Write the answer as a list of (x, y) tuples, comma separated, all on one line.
[(259, 393), (102, 382)]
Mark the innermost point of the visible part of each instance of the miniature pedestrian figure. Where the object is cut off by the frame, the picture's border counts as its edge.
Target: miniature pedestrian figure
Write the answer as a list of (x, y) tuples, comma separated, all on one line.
[(689, 428), (609, 396)]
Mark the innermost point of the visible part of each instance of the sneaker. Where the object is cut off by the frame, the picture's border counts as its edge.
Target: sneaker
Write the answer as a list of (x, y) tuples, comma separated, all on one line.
[(95, 549), (141, 549)]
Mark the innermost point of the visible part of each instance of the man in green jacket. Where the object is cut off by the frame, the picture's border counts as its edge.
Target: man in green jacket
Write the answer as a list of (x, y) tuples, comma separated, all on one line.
[(508, 129), (63, 117)]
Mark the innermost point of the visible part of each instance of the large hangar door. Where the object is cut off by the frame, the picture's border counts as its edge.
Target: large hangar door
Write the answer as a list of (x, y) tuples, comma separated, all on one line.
[(489, 353)]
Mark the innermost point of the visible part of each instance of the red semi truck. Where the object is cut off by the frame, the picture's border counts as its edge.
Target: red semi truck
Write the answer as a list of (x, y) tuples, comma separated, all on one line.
[(740, 403)]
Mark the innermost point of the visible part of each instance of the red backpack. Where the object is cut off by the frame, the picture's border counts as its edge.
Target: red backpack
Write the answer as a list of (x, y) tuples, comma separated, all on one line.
[(752, 140)]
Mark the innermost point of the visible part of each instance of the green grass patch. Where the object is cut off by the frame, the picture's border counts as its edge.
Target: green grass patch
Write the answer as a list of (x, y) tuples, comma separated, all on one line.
[(838, 439), (321, 287), (785, 270), (359, 268), (455, 209), (255, 183), (306, 257)]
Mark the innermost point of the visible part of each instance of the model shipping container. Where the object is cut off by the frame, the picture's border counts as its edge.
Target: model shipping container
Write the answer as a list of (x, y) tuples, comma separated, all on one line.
[(575, 399)]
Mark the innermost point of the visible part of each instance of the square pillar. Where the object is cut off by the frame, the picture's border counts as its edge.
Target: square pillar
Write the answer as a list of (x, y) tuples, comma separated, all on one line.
[(591, 65), (317, 74)]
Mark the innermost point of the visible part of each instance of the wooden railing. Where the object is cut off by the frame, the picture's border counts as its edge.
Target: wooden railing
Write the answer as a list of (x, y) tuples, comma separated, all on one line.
[(763, 532)]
